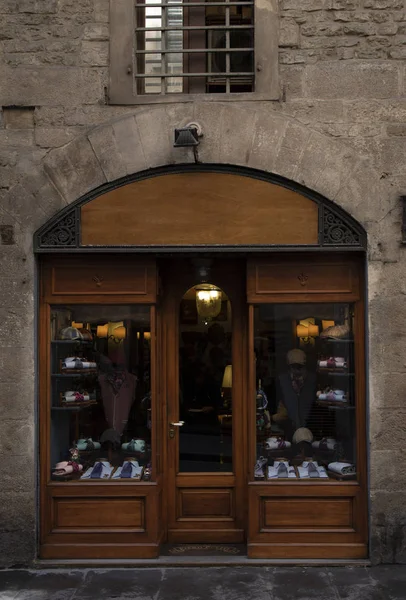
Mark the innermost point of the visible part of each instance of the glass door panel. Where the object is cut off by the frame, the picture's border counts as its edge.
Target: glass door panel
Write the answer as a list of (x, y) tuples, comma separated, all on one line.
[(205, 381)]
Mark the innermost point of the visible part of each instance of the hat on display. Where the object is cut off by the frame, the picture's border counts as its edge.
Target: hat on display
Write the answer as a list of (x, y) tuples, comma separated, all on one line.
[(337, 332), (296, 357), (302, 435), (86, 334), (70, 333)]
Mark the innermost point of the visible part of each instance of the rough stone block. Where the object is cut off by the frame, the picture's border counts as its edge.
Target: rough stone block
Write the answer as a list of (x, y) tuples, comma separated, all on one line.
[(388, 534), (291, 150), (74, 169), (351, 195), (268, 132), (236, 135), (18, 473), (16, 397), (344, 80), (18, 117), (17, 512), (291, 77), (18, 548), (209, 116), (95, 53), (16, 137), (387, 390), (16, 437), (101, 11), (391, 154), (388, 470), (382, 4), (288, 33), (51, 86), (388, 429), (118, 148), (97, 32), (324, 166), (54, 137), (38, 6), (21, 205)]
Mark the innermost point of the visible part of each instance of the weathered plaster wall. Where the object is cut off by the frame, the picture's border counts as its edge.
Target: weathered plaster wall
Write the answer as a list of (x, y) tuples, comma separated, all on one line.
[(338, 128)]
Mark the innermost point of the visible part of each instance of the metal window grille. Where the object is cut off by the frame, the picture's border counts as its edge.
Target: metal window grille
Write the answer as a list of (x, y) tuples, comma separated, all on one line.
[(189, 47)]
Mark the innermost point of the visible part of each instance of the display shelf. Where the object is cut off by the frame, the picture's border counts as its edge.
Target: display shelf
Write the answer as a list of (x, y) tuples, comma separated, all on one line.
[(67, 342), (71, 408), (331, 341), (76, 374), (335, 371)]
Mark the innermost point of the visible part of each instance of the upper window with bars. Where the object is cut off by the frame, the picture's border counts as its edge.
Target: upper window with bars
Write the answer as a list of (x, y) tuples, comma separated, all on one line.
[(162, 50)]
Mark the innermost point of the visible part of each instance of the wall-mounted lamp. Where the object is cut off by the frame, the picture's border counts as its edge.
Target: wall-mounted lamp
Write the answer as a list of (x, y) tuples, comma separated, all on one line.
[(188, 137)]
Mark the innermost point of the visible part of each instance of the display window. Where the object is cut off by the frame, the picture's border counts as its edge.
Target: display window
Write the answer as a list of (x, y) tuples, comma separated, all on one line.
[(305, 392), (100, 386)]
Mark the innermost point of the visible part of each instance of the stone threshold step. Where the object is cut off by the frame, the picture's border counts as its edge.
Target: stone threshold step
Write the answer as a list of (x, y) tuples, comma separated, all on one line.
[(196, 561)]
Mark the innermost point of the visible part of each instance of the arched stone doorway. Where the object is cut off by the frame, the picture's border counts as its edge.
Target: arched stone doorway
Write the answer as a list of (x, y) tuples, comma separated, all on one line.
[(132, 256)]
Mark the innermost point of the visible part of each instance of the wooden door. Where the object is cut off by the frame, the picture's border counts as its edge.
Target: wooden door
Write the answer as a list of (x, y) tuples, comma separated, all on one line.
[(205, 473)]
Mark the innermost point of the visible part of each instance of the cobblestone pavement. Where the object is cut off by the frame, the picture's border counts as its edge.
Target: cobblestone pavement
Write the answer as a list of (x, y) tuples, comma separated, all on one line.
[(210, 583)]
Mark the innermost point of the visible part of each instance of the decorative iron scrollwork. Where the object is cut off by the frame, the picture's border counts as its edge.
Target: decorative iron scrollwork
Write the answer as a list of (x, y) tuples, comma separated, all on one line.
[(61, 234), (338, 232)]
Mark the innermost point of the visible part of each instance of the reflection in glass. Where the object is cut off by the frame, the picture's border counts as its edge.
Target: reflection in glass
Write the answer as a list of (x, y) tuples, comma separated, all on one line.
[(100, 392), (205, 398), (305, 399)]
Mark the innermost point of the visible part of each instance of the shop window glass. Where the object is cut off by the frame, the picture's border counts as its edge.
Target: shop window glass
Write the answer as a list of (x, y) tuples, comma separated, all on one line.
[(100, 393), (305, 392)]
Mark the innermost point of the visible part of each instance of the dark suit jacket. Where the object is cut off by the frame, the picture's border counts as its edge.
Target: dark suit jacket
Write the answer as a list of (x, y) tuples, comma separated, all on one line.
[(298, 407)]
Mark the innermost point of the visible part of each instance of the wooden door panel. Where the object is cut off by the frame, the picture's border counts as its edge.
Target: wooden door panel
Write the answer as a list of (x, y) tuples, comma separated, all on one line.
[(315, 513), (98, 513), (205, 503), (282, 279)]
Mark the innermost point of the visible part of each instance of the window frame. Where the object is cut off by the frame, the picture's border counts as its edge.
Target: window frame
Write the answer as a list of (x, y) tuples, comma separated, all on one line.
[(122, 66)]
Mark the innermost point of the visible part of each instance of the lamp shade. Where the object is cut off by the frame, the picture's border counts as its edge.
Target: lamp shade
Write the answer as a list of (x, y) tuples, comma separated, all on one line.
[(208, 301), (102, 331), (228, 377)]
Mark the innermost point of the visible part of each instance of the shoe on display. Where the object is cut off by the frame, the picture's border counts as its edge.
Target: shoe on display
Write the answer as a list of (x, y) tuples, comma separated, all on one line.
[(87, 445), (259, 467), (134, 445), (276, 443)]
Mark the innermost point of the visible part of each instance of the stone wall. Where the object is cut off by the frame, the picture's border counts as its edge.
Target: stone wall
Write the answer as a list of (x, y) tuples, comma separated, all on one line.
[(342, 109)]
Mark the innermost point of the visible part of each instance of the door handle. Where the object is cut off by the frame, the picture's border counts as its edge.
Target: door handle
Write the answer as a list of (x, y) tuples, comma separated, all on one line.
[(177, 424)]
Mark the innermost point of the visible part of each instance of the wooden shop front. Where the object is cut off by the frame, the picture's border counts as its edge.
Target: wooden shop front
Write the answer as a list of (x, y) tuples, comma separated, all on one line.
[(202, 370)]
